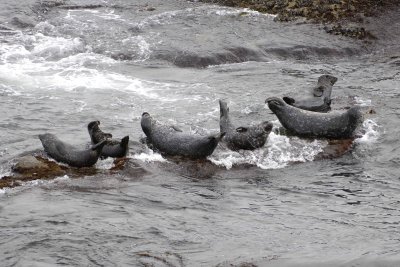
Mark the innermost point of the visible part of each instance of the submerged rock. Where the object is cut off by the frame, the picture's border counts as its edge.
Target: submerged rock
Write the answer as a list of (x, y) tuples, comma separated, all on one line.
[(29, 168)]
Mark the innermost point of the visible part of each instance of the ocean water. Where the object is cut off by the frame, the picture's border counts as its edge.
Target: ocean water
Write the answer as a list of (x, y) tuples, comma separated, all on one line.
[(66, 63)]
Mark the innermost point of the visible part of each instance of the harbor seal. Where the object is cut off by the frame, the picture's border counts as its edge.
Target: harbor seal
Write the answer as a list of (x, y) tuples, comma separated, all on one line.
[(113, 148), (248, 138), (68, 154), (97, 135), (321, 102), (172, 141), (305, 123)]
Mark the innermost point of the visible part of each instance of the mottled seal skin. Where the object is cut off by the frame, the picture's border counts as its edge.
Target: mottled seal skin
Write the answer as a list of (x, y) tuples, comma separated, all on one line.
[(97, 135), (171, 141), (113, 148), (321, 102), (305, 123), (247, 138), (68, 154)]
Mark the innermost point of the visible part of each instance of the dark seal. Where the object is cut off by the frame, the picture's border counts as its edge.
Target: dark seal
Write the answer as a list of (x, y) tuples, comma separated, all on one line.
[(63, 152), (321, 102), (113, 148), (171, 141), (305, 123), (248, 138)]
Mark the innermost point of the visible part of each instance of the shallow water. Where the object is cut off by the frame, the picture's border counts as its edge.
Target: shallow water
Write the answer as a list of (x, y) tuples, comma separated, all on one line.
[(63, 65)]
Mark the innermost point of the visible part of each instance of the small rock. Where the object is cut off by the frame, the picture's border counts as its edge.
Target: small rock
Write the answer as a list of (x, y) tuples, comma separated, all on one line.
[(28, 164)]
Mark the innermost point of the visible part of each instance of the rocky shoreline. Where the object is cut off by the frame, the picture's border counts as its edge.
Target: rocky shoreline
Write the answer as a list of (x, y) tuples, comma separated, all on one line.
[(342, 17)]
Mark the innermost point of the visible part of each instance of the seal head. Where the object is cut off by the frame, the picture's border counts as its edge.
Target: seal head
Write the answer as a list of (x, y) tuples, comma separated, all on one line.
[(243, 137)]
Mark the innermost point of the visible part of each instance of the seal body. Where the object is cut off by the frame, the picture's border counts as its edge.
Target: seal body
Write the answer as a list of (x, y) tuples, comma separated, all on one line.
[(113, 148), (171, 141), (305, 123), (63, 152), (248, 138), (321, 102)]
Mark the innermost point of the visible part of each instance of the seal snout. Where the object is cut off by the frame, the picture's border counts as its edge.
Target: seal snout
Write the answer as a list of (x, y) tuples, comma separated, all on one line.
[(274, 101), (267, 126)]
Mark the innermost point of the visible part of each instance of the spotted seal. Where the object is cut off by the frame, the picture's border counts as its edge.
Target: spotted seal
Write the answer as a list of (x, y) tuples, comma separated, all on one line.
[(172, 141), (335, 125), (248, 138), (63, 152), (113, 148), (321, 102)]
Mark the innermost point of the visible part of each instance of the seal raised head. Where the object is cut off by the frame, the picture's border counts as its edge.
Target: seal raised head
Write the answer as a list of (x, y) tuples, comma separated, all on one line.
[(171, 141), (321, 102), (247, 138), (113, 148), (63, 152), (305, 123), (97, 135)]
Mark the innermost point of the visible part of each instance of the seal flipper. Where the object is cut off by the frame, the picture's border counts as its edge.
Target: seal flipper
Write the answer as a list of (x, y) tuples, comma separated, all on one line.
[(99, 146), (289, 100), (223, 108), (124, 141)]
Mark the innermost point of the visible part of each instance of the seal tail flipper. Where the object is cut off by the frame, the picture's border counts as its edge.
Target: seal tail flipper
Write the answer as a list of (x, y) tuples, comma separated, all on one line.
[(289, 100), (124, 141), (223, 108)]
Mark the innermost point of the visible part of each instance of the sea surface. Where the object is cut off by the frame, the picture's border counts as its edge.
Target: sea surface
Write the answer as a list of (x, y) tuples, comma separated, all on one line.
[(66, 63)]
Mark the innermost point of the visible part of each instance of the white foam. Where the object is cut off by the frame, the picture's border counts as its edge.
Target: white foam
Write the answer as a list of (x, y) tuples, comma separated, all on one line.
[(139, 44), (105, 164), (279, 151), (52, 48), (361, 102), (61, 179), (372, 132), (220, 11), (149, 156)]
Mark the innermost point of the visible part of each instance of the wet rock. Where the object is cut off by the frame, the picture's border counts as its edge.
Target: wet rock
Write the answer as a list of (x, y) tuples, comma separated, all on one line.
[(335, 149), (35, 167), (29, 168), (74, 7), (354, 32), (320, 11)]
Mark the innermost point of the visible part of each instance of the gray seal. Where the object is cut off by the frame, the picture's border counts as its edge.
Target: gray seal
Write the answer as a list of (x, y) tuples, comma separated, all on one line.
[(113, 148), (248, 138), (172, 141), (63, 152), (321, 100), (334, 125)]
